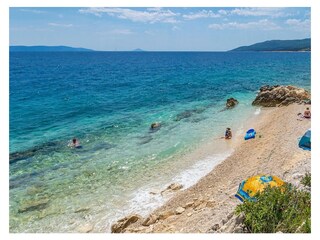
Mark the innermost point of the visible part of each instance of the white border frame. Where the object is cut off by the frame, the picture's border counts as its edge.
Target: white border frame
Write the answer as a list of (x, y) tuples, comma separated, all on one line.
[(4, 108)]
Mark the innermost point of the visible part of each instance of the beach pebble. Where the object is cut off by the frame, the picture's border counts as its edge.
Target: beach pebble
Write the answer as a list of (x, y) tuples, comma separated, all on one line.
[(189, 214), (238, 230), (123, 223), (215, 227), (229, 216), (297, 176), (188, 204), (180, 210), (175, 186), (240, 218)]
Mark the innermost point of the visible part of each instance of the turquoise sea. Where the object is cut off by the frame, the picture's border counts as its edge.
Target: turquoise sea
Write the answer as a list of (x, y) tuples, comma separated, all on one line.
[(108, 101)]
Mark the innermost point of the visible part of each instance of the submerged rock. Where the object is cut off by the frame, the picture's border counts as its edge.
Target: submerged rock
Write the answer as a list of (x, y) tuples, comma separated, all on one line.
[(273, 96), (33, 205), (231, 102), (188, 113), (44, 148), (123, 223), (82, 209), (85, 228), (145, 139)]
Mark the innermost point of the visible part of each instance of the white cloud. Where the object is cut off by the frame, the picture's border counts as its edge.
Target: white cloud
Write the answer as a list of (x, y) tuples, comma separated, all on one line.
[(217, 26), (60, 25), (259, 12), (151, 15), (32, 10), (299, 25), (263, 24), (201, 14)]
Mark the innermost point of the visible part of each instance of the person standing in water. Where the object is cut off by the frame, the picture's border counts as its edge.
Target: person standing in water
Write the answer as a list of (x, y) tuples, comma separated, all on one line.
[(228, 134), (75, 143)]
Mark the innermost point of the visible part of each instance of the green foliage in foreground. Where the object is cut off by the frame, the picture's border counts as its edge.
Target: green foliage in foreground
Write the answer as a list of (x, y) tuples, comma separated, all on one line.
[(284, 209), (306, 180)]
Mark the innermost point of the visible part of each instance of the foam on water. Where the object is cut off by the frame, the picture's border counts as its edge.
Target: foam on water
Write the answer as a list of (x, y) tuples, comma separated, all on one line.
[(258, 111), (146, 199)]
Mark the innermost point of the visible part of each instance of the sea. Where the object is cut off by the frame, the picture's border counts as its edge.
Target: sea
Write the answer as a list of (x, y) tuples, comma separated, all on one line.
[(108, 101)]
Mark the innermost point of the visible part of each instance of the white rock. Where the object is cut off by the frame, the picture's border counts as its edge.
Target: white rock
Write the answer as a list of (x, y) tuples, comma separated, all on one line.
[(180, 210)]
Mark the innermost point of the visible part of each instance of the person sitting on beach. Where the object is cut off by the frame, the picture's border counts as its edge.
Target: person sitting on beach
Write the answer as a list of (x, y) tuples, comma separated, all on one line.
[(228, 134), (75, 143), (307, 113)]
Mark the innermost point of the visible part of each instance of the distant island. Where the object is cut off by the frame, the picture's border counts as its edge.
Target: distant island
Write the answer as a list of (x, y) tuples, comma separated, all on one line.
[(47, 49), (138, 50), (278, 45)]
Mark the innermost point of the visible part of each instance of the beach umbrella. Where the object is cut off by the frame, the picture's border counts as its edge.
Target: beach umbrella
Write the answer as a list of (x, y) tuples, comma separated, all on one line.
[(251, 186)]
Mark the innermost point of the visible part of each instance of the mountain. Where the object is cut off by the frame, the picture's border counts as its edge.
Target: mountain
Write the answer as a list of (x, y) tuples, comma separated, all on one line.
[(279, 45), (47, 49)]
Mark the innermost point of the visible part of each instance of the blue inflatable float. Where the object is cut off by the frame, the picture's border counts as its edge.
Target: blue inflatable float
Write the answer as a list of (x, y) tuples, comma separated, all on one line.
[(251, 133)]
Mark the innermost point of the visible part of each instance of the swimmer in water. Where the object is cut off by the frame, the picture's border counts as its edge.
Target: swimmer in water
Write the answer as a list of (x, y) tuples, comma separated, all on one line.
[(75, 143)]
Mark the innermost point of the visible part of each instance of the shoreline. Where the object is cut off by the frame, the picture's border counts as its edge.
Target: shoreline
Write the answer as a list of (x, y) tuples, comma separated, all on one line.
[(271, 154), (189, 169), (197, 163)]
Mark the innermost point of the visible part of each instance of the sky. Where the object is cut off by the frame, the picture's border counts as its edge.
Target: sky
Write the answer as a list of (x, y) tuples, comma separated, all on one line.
[(156, 29)]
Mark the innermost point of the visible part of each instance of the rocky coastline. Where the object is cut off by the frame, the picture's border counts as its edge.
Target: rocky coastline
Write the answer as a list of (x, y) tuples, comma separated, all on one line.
[(208, 206)]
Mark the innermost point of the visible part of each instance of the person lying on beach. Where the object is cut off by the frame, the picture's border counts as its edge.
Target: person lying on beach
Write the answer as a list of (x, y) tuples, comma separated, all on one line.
[(307, 113), (228, 134)]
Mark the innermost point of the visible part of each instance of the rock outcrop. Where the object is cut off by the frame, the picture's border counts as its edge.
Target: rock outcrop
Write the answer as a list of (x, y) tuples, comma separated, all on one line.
[(172, 187), (273, 96), (231, 102), (123, 223)]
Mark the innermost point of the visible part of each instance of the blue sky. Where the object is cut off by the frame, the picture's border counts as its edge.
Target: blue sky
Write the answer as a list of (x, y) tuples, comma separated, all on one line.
[(156, 29)]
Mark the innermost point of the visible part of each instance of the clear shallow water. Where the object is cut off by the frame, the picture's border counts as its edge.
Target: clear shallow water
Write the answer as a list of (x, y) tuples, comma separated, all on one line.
[(108, 101)]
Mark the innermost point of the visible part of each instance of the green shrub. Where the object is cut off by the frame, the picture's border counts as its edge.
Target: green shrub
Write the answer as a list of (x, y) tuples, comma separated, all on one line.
[(306, 180), (284, 209)]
